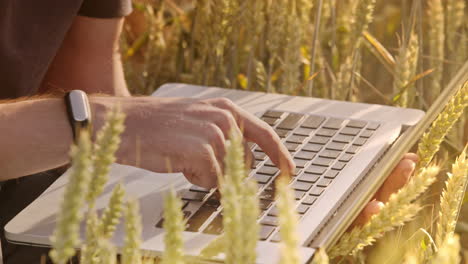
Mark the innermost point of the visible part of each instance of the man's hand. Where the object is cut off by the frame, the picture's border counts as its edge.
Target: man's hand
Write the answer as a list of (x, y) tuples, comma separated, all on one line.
[(397, 179), (190, 134)]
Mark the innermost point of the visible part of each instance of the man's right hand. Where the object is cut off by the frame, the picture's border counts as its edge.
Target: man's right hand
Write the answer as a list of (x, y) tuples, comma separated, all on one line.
[(191, 134)]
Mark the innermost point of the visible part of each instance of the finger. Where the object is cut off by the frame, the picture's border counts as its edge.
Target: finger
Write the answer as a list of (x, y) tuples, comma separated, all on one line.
[(205, 168), (397, 179), (248, 156), (372, 208), (261, 133), (411, 156)]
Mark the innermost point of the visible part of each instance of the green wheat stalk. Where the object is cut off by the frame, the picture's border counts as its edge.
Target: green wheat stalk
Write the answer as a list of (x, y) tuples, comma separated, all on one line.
[(436, 40), (66, 234), (431, 140), (451, 198), (174, 225), (398, 210), (131, 251), (112, 213), (107, 143), (288, 220)]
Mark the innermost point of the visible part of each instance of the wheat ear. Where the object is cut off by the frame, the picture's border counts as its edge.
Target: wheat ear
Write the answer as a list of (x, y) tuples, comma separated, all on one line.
[(320, 257), (454, 15), (431, 140), (107, 143), (105, 252), (288, 220), (398, 210), (89, 249), (405, 69), (436, 40), (66, 234), (174, 225), (449, 251), (112, 213), (451, 198), (131, 251)]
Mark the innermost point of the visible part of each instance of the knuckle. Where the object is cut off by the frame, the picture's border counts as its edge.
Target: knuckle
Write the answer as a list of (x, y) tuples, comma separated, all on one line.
[(226, 102)]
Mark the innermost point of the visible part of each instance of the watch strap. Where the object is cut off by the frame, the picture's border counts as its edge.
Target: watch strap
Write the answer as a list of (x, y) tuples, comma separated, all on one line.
[(79, 112)]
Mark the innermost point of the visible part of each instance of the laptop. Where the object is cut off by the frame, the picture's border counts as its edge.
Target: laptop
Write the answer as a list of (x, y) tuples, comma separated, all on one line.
[(343, 152)]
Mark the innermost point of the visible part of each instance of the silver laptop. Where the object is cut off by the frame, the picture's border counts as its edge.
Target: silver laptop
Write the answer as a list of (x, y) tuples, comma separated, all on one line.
[(343, 152)]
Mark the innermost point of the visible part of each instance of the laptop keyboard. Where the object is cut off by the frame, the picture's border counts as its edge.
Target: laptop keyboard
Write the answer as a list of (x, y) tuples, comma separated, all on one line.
[(321, 147)]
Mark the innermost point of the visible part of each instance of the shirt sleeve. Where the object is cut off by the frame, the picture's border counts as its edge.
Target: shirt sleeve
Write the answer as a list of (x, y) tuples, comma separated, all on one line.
[(105, 8)]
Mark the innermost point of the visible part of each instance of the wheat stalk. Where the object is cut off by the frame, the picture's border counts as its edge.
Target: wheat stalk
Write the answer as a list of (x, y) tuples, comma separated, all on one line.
[(288, 220), (431, 140), (250, 212), (449, 252), (454, 15), (292, 57), (112, 213), (451, 198), (107, 143), (436, 40), (320, 257), (131, 250), (398, 210), (174, 225), (405, 70), (89, 249), (66, 234)]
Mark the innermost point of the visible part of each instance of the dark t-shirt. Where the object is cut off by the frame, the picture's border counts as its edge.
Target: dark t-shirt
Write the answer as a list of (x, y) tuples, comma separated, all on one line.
[(31, 32)]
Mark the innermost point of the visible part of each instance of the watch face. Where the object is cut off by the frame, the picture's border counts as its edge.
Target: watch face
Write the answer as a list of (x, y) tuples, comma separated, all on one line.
[(79, 106)]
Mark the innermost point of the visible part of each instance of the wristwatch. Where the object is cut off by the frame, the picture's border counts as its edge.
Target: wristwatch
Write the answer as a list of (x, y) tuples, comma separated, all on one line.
[(79, 112)]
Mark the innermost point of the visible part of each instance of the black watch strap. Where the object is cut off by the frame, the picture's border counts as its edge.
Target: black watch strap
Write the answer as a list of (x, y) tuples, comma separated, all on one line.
[(79, 112)]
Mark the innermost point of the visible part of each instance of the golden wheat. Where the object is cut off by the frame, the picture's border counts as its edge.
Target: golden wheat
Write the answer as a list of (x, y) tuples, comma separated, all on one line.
[(436, 40), (131, 250), (174, 225), (112, 213)]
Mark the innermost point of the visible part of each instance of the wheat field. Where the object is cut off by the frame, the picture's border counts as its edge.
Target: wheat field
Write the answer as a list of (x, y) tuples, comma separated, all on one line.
[(400, 53)]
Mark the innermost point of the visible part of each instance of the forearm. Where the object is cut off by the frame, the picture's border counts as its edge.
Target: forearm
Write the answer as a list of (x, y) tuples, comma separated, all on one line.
[(35, 136)]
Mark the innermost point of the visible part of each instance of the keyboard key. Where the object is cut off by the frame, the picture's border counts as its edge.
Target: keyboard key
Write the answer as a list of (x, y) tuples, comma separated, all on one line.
[(296, 171), (291, 121), (273, 211), (301, 163), (269, 163), (296, 139), (360, 141), (270, 220), (267, 195), (339, 165), (265, 204), (352, 149), (276, 237), (282, 133), (251, 145), (255, 163), (302, 208), (312, 147), (319, 140), (313, 122), (270, 121), (350, 131), (268, 170), (306, 155), (302, 131), (309, 200), (265, 231), (373, 126), (322, 162), (260, 178), (336, 146), (356, 124), (298, 194), (196, 188), (326, 132), (343, 138), (160, 223), (274, 114), (315, 170), (317, 191), (333, 123), (259, 155), (199, 218), (308, 177), (193, 196), (324, 182), (331, 174), (332, 154), (301, 186), (367, 133), (292, 146), (216, 226), (345, 157)]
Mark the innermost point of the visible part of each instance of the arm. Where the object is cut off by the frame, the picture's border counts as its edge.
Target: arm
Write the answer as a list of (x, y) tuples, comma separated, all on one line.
[(35, 136), (89, 59)]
